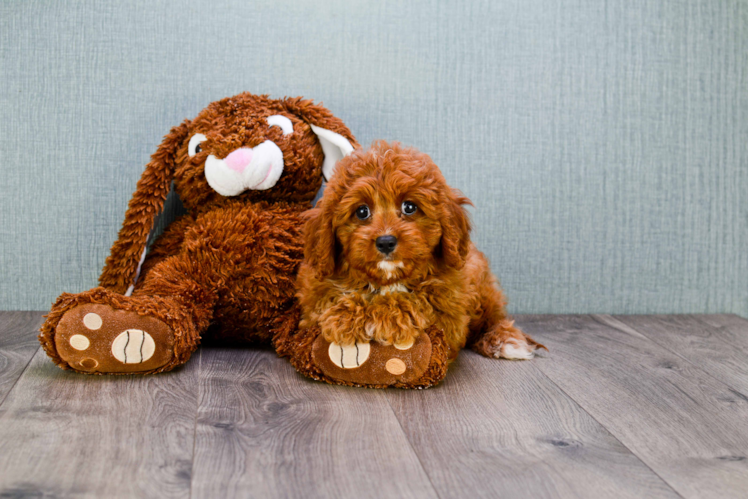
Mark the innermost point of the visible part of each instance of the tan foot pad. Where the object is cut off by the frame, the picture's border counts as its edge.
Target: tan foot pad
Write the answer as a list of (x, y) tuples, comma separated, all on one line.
[(372, 363), (98, 338)]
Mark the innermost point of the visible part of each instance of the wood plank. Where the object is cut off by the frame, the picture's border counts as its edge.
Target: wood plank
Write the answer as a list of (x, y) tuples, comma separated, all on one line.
[(718, 344), (265, 431), (64, 434), (18, 343), (503, 429), (684, 424)]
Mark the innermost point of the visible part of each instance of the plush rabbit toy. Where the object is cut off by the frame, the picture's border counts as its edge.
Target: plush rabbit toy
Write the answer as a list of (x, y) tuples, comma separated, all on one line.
[(245, 169)]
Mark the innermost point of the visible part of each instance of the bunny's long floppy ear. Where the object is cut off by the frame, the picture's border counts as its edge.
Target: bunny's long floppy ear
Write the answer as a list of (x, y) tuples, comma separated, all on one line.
[(123, 264), (335, 147), (336, 140)]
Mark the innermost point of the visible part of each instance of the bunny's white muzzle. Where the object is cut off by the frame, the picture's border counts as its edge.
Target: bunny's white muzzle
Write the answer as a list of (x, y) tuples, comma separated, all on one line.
[(256, 168)]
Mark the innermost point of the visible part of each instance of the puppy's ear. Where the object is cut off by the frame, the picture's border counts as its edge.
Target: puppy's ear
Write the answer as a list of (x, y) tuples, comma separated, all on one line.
[(335, 138), (123, 264), (319, 240), (455, 223)]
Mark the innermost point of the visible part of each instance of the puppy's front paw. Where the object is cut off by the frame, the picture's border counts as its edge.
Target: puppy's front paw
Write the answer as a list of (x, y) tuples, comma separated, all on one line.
[(390, 331), (397, 319), (344, 322)]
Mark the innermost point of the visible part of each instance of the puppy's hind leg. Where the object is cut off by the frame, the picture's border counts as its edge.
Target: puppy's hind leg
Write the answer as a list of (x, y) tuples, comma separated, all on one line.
[(504, 340), (492, 331)]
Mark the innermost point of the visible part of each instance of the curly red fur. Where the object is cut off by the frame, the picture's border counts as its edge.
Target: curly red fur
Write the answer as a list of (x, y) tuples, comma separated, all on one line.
[(227, 269), (435, 277)]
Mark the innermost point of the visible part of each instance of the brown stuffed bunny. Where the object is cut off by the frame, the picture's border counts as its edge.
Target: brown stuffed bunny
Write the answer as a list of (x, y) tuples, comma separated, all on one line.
[(245, 169)]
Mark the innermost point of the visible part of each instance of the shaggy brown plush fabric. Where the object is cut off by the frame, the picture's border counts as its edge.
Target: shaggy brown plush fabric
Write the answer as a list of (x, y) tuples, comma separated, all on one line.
[(227, 268), (388, 257)]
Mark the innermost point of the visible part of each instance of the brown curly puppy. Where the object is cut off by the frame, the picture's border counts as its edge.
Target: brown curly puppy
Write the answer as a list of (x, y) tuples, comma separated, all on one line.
[(245, 169), (388, 256)]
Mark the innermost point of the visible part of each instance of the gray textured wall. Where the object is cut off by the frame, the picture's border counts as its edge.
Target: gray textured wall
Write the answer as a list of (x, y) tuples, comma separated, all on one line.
[(605, 143)]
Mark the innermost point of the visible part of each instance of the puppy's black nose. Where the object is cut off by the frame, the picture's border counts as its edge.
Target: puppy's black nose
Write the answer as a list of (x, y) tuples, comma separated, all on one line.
[(386, 244)]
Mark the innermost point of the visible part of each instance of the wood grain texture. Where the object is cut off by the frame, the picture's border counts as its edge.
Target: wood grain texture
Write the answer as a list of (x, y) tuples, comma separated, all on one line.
[(265, 431), (718, 344), (620, 407), (64, 434), (18, 343), (498, 428), (684, 424)]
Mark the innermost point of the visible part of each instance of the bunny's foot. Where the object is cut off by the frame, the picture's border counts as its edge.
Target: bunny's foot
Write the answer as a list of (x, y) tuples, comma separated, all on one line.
[(420, 364), (102, 332)]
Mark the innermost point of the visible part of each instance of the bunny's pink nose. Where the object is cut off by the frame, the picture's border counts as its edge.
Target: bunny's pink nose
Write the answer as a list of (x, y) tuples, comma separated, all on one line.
[(239, 159)]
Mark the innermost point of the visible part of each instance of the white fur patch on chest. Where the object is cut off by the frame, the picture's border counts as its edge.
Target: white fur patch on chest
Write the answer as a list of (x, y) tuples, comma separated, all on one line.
[(394, 288), (388, 267), (397, 287)]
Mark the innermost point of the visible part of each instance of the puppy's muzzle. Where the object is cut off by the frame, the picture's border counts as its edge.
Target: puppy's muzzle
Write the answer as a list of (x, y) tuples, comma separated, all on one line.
[(386, 244)]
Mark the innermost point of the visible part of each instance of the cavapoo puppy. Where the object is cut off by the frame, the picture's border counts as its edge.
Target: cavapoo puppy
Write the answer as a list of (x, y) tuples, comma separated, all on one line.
[(388, 255)]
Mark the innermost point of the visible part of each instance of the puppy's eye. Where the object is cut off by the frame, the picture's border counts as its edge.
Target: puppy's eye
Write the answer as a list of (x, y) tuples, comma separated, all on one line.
[(363, 212), (194, 147), (409, 208)]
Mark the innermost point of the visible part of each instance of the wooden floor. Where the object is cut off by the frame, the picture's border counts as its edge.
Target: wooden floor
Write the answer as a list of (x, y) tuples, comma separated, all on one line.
[(622, 406)]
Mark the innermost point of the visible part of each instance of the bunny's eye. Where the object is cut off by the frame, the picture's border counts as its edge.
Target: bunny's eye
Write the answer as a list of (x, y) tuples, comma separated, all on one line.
[(409, 208), (281, 121), (194, 147), (363, 212)]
